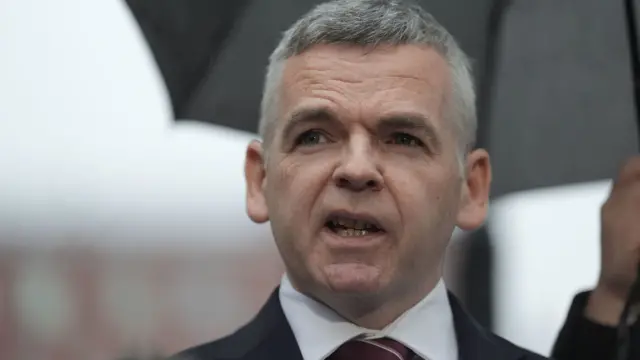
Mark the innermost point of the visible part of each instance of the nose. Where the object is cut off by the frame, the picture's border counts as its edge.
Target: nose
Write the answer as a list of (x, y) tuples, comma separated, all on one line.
[(358, 169)]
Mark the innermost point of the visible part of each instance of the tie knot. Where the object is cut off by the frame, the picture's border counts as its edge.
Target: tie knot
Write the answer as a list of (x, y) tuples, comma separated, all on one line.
[(373, 349)]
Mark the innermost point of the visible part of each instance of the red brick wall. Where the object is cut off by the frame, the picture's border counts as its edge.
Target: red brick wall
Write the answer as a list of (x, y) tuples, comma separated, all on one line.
[(86, 304)]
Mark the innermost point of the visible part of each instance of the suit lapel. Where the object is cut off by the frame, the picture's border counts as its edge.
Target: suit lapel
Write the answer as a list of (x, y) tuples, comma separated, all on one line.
[(475, 342), (268, 336)]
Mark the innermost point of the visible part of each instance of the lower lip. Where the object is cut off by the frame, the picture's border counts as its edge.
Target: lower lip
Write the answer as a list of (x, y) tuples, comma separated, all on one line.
[(335, 240)]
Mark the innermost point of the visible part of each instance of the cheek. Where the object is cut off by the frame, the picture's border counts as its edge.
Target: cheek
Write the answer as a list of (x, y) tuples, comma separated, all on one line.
[(292, 193), (294, 188), (428, 215), (427, 196)]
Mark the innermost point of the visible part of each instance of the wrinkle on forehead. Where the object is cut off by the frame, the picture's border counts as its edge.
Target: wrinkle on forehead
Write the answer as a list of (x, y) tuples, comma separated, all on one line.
[(351, 77)]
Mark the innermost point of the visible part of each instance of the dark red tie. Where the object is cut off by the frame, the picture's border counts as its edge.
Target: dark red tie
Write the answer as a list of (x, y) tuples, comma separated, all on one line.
[(375, 349)]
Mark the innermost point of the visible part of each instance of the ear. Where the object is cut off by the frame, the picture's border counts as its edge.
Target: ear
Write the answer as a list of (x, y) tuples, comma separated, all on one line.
[(474, 198), (255, 178)]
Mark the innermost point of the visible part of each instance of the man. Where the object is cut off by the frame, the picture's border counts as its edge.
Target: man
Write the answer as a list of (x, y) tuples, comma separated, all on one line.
[(590, 330), (366, 167)]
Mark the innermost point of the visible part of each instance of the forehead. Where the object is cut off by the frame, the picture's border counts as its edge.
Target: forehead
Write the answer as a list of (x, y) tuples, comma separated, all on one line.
[(364, 82)]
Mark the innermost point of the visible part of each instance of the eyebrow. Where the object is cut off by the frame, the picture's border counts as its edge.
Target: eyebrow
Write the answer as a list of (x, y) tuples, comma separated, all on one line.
[(308, 115), (410, 121), (413, 122)]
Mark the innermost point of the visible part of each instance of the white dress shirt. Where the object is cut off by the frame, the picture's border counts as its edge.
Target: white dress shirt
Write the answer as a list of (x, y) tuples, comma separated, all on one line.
[(427, 328)]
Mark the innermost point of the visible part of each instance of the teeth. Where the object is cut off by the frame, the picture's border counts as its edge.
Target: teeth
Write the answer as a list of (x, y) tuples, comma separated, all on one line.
[(351, 232)]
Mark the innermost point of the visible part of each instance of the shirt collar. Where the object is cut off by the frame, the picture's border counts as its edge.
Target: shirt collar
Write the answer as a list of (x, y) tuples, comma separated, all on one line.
[(427, 328)]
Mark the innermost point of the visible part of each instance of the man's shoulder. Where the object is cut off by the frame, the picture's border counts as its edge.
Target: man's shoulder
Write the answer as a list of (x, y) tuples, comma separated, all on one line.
[(503, 343), (229, 346), (267, 335), (209, 350), (477, 342)]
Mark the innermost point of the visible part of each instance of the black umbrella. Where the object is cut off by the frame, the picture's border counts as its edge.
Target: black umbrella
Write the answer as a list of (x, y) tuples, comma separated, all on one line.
[(556, 91), (557, 104), (186, 38), (213, 53)]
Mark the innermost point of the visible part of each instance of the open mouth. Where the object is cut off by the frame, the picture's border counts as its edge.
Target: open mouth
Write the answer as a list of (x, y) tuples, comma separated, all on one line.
[(351, 226)]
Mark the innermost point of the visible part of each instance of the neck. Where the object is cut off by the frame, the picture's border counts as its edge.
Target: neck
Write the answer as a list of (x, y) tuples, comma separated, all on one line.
[(376, 312)]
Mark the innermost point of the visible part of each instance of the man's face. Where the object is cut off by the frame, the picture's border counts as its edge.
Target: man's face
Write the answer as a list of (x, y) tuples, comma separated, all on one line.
[(361, 183)]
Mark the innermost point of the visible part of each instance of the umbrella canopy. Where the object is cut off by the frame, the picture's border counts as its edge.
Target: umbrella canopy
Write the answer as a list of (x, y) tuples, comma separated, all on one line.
[(213, 54), (573, 121), (186, 38), (558, 104)]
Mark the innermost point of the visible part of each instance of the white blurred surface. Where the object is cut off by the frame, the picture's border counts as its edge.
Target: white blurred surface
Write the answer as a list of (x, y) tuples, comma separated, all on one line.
[(119, 228), (547, 248), (75, 64), (90, 154), (181, 188)]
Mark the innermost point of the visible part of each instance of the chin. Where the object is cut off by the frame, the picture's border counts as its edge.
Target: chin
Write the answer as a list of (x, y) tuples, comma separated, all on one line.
[(354, 278)]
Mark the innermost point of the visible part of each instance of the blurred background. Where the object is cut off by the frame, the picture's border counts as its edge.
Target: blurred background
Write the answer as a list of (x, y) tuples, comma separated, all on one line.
[(123, 126)]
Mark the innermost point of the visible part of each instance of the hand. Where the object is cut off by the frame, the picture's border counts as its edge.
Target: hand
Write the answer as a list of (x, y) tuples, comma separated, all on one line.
[(620, 241)]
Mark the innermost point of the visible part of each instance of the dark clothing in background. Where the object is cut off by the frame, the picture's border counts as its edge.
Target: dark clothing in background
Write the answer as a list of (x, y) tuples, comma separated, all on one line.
[(582, 339)]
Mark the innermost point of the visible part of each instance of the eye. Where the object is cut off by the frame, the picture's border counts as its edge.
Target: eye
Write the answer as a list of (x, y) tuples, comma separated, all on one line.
[(311, 137), (404, 139)]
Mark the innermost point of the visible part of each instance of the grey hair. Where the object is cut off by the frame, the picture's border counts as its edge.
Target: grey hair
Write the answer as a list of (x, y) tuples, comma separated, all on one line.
[(371, 23)]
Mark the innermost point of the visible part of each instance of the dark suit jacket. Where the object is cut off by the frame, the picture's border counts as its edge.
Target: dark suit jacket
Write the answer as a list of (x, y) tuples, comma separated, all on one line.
[(269, 337), (581, 339)]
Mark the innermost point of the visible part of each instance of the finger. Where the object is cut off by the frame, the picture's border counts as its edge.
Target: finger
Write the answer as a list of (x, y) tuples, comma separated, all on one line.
[(630, 171)]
